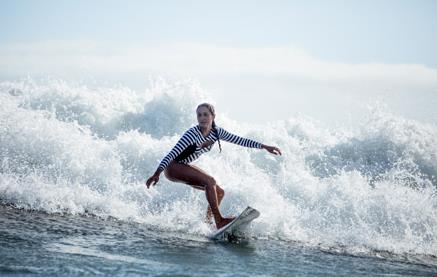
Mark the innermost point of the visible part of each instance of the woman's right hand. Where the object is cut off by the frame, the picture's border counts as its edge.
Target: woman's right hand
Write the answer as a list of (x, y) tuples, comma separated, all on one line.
[(152, 180)]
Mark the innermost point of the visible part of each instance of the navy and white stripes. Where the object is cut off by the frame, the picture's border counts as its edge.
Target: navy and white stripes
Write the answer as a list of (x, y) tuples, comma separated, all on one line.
[(194, 137)]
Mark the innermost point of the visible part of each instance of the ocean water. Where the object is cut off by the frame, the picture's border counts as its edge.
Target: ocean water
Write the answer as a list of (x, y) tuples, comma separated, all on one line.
[(340, 201)]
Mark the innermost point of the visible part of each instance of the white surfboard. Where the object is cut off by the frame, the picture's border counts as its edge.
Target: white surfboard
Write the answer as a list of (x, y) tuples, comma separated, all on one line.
[(237, 226)]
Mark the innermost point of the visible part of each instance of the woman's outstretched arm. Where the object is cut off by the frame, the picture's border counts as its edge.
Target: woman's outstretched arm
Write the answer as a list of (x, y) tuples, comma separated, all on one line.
[(229, 137)]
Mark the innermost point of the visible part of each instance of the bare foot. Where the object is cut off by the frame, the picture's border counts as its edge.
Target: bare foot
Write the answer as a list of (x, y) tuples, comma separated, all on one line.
[(224, 222)]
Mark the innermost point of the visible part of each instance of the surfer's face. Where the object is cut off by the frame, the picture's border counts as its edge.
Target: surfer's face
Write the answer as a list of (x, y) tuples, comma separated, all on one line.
[(204, 117)]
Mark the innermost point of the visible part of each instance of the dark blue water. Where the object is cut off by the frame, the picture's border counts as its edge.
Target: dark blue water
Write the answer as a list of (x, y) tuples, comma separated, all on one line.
[(39, 244)]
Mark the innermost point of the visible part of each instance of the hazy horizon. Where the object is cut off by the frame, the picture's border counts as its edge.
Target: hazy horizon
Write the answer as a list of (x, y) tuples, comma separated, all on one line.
[(258, 61)]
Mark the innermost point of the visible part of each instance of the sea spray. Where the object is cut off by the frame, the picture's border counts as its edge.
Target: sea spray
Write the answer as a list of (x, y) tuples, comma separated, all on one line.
[(69, 148)]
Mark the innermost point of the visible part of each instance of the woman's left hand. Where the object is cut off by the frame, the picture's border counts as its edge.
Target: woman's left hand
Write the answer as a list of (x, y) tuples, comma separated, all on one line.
[(272, 149)]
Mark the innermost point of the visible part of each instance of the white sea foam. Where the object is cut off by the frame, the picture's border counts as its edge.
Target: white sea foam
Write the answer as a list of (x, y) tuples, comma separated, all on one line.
[(75, 149)]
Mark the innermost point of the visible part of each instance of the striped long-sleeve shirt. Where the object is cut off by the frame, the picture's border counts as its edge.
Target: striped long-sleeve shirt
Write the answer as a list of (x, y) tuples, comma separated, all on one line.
[(187, 149)]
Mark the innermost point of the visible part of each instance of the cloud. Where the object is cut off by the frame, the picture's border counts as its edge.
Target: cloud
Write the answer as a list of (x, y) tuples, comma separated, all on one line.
[(279, 80), (199, 60)]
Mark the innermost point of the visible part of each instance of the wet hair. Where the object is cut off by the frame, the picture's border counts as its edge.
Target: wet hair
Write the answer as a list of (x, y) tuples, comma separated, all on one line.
[(214, 126)]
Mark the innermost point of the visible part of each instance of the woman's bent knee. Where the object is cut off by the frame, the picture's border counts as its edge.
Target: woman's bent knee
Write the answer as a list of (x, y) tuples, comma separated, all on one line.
[(210, 181), (219, 190)]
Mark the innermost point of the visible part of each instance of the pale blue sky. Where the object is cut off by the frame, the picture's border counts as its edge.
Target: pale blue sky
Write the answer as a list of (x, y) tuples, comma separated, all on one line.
[(346, 31)]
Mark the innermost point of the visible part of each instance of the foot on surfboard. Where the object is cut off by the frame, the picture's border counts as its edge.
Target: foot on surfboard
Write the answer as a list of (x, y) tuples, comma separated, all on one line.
[(235, 227), (225, 221)]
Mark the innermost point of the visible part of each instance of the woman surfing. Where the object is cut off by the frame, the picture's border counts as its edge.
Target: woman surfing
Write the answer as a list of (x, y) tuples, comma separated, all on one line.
[(193, 143)]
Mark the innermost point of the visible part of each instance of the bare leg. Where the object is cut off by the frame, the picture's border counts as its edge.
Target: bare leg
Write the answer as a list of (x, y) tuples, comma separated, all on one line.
[(199, 179), (220, 194)]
